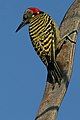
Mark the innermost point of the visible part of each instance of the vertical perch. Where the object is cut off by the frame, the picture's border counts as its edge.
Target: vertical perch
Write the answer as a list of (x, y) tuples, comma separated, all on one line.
[(52, 98)]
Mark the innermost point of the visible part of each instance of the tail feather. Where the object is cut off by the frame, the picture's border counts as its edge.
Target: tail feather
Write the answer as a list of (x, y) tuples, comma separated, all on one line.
[(58, 70), (54, 73)]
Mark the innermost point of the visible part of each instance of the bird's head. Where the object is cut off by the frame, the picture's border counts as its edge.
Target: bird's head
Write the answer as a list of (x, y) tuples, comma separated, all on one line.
[(28, 15)]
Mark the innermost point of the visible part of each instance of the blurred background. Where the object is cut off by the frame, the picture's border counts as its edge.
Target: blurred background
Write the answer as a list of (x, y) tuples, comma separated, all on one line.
[(22, 74)]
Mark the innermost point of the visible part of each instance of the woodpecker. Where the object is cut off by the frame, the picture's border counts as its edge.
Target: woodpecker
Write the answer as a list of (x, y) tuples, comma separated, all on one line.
[(45, 36)]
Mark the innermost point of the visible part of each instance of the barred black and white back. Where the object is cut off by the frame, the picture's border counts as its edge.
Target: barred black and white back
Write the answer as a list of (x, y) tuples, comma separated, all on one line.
[(42, 35)]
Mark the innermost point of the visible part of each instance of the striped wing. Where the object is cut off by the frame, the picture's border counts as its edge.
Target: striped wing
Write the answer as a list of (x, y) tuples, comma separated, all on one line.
[(42, 37)]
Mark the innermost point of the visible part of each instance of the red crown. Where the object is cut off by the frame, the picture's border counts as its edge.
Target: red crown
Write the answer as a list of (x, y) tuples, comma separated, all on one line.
[(34, 10)]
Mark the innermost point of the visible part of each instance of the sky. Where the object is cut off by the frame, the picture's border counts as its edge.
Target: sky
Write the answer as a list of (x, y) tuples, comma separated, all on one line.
[(22, 74)]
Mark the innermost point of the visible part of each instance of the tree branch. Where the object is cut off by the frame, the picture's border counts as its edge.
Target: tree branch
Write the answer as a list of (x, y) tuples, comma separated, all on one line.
[(53, 97)]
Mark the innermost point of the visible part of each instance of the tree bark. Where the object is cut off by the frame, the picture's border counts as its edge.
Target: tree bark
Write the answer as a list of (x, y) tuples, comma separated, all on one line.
[(52, 98)]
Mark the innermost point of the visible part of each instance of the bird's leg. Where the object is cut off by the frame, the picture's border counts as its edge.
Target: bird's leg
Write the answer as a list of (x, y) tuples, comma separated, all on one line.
[(67, 37), (64, 39), (54, 72), (53, 69)]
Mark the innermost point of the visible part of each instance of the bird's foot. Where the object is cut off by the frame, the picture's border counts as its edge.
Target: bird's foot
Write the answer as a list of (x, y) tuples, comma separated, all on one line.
[(67, 36)]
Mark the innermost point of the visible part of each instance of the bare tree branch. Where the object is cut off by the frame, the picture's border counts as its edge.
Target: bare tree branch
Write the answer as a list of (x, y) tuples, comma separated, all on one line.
[(53, 97)]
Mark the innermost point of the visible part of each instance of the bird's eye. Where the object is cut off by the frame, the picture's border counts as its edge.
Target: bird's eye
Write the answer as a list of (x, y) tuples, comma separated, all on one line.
[(24, 17), (27, 15), (32, 15)]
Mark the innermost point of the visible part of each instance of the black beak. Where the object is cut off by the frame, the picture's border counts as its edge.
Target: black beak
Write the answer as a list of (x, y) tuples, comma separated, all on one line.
[(21, 25)]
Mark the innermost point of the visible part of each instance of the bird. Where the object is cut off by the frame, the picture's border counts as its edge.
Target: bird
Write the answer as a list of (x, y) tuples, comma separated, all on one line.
[(45, 36)]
